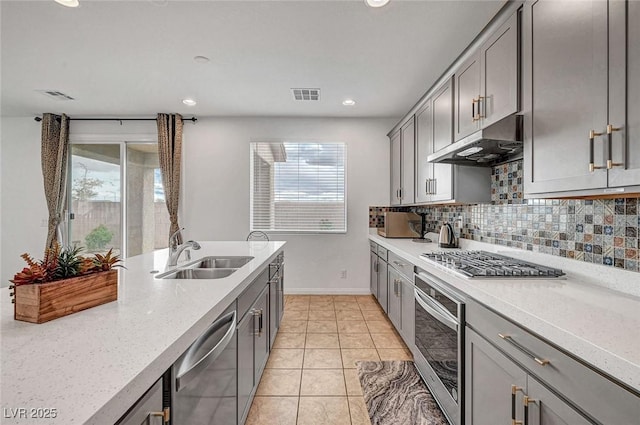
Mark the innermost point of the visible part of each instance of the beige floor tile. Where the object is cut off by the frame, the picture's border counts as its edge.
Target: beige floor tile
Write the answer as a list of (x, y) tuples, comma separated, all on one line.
[(322, 315), (356, 341), (322, 382), (387, 340), (322, 326), (349, 298), (295, 315), (394, 354), (295, 305), (273, 411), (378, 326), (358, 410), (367, 297), (289, 340), (322, 358), (285, 358), (347, 305), (321, 340), (323, 411), (349, 315), (321, 305), (374, 315), (315, 298), (351, 355), (293, 326), (352, 326), (352, 382), (279, 382), (369, 305)]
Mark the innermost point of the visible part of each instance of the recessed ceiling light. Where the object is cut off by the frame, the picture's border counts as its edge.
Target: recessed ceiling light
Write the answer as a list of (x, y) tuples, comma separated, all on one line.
[(189, 102), (376, 3), (348, 102), (201, 59), (68, 3)]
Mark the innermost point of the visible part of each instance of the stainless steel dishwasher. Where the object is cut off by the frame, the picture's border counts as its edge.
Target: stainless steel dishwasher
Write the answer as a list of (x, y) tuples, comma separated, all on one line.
[(204, 379)]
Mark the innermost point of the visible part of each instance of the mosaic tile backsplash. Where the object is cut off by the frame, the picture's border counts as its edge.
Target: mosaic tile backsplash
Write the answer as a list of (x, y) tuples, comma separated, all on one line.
[(602, 231)]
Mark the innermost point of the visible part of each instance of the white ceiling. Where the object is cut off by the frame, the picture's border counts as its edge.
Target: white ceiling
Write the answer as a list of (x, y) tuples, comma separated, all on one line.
[(135, 58)]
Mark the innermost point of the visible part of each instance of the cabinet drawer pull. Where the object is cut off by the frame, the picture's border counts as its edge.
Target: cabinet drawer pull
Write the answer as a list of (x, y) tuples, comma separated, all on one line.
[(165, 415), (509, 339), (610, 163), (514, 391), (399, 264), (592, 165)]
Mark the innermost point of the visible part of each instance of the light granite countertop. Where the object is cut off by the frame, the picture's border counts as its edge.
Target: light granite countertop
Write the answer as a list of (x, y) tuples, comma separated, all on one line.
[(593, 312), (93, 365)]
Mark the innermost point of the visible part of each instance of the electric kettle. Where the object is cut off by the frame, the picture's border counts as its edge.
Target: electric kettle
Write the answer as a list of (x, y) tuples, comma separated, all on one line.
[(447, 237)]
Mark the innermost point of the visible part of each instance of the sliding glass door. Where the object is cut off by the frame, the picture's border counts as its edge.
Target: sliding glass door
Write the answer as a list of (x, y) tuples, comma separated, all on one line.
[(116, 200)]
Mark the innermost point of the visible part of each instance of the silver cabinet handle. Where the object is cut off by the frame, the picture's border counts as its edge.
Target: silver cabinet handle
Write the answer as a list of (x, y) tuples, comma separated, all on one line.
[(399, 264), (426, 186), (257, 314), (509, 339), (434, 187)]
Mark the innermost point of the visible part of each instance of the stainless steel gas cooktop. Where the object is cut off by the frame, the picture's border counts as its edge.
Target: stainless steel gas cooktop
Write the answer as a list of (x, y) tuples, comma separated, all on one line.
[(481, 264)]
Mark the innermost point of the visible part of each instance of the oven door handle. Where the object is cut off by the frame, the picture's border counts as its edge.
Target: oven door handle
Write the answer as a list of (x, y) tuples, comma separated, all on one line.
[(434, 311)]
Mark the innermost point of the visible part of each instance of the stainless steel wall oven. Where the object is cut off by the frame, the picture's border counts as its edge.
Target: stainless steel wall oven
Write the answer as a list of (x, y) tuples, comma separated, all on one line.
[(439, 338)]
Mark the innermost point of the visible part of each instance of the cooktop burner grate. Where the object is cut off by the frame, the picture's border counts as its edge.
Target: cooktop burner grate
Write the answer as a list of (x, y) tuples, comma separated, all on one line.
[(475, 264)]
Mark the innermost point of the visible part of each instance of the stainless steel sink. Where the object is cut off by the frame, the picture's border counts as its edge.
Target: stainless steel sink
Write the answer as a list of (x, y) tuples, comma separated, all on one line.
[(197, 273), (220, 262)]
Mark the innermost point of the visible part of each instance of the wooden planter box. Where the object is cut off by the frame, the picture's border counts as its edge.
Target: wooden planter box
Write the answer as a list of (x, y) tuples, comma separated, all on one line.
[(48, 301)]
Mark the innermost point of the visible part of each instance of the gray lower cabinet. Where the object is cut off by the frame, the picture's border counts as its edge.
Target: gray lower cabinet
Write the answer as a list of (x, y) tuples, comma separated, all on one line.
[(581, 104), (148, 410), (253, 346), (383, 289), (276, 296), (373, 274), (496, 387), (407, 312), (506, 363), (394, 301)]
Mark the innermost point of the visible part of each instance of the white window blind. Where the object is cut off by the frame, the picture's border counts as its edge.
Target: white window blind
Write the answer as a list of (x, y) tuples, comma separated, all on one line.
[(298, 187)]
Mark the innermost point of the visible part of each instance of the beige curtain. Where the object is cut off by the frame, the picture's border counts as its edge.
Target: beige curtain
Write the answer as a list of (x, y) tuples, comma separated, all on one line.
[(55, 142), (170, 152)]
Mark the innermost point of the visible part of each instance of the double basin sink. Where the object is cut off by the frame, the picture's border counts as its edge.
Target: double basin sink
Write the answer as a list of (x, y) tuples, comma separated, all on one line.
[(206, 268)]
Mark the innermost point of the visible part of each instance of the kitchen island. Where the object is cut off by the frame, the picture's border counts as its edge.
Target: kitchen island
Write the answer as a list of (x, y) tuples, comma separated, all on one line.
[(93, 365)]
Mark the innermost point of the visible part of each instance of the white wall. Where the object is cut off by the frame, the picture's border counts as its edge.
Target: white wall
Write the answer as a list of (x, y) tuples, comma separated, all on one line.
[(22, 195), (215, 201), (216, 192)]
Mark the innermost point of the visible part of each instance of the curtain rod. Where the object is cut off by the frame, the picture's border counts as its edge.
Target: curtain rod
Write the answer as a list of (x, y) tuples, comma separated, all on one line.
[(192, 119)]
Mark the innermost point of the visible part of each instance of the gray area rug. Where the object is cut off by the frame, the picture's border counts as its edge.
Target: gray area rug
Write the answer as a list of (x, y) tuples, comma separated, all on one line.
[(395, 394)]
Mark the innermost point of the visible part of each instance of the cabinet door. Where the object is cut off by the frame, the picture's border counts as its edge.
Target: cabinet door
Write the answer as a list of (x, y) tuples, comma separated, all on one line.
[(395, 168), (245, 364), (545, 408), (140, 413), (467, 89), (408, 312), (442, 185), (424, 148), (395, 305), (383, 278), (624, 96), (499, 76), (373, 274), (407, 167), (565, 65), (273, 310), (489, 376), (261, 334)]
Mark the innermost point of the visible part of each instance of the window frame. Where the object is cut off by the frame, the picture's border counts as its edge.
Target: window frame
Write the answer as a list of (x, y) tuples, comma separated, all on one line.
[(341, 231)]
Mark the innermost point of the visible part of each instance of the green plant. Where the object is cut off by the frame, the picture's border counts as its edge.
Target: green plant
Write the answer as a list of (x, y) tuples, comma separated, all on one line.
[(98, 238), (63, 263)]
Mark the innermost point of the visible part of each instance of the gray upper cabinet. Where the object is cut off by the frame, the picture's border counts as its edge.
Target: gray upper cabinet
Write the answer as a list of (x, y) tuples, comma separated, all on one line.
[(442, 185), (624, 85), (499, 81), (424, 147), (396, 159), (581, 108), (403, 165), (467, 93)]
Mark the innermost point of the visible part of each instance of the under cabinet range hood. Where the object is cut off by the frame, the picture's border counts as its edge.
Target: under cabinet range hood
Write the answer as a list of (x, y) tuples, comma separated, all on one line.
[(497, 143)]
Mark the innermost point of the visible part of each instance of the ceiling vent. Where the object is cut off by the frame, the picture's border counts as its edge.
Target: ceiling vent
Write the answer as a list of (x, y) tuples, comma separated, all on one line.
[(306, 94), (54, 94)]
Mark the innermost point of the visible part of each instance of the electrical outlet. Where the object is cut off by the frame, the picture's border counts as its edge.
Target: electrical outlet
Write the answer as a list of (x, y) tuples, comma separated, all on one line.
[(343, 274)]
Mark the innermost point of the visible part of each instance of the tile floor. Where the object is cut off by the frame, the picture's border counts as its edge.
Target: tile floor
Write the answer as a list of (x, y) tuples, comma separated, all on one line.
[(310, 377)]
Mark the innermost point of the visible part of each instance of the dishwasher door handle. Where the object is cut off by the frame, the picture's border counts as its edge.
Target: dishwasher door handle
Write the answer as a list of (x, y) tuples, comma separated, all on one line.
[(195, 366)]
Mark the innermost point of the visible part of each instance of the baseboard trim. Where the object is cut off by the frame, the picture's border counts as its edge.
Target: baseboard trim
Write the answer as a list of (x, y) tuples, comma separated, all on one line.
[(327, 291)]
